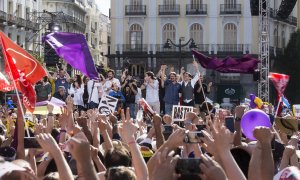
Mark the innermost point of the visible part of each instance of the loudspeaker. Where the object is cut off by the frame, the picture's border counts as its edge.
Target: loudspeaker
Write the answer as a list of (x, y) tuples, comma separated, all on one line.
[(256, 75), (254, 5), (285, 9)]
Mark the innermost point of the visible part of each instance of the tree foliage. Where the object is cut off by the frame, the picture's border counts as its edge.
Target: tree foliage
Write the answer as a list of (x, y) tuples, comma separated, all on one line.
[(289, 63)]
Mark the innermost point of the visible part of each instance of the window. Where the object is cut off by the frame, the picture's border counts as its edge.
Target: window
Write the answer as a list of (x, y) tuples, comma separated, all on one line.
[(18, 39), (230, 34), (196, 33), (195, 4), (282, 39), (136, 36), (19, 10), (10, 7), (276, 39), (27, 13), (135, 2), (230, 3), (169, 2), (169, 32), (9, 35)]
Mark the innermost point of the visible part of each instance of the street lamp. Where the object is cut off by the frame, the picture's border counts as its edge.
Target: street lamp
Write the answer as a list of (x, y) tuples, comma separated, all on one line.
[(169, 43)]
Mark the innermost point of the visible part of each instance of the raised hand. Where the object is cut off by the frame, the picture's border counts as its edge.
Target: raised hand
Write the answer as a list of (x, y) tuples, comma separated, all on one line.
[(263, 135), (165, 166), (128, 129), (48, 143), (211, 169), (239, 111)]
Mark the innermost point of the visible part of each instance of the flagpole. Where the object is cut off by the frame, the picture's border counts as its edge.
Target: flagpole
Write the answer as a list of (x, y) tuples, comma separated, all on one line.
[(277, 108), (203, 95), (15, 86)]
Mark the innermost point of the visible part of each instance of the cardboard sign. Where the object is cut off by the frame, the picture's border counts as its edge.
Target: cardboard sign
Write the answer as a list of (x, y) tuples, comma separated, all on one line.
[(296, 110), (148, 111), (179, 112), (107, 105)]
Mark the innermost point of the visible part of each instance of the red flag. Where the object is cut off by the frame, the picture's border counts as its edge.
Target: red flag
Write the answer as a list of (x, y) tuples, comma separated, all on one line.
[(5, 85), (23, 69), (280, 82)]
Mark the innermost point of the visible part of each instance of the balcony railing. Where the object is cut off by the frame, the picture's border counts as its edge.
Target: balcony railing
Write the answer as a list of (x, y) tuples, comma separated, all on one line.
[(3, 15), (169, 9), (196, 9), (11, 18), (21, 22), (74, 20), (135, 10), (230, 9), (135, 48), (230, 48), (29, 24), (291, 19)]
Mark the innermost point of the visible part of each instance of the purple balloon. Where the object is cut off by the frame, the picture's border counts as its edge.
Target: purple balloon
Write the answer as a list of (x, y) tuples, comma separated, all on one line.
[(253, 119)]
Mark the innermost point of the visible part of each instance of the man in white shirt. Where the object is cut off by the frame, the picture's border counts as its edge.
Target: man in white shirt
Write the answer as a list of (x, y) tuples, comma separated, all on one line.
[(110, 81), (187, 86), (152, 87)]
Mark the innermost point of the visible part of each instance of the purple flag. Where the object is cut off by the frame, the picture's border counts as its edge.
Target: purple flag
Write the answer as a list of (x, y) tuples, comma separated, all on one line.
[(246, 64), (74, 50)]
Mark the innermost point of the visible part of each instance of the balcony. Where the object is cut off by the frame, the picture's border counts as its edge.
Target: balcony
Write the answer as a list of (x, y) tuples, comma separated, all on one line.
[(229, 9), (196, 9), (11, 19), (230, 48), (135, 10), (290, 20), (21, 22), (3, 15), (169, 9), (29, 24), (76, 21), (135, 48)]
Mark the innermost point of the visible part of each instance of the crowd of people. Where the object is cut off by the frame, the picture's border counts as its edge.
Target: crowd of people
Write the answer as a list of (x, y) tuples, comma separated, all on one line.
[(82, 143)]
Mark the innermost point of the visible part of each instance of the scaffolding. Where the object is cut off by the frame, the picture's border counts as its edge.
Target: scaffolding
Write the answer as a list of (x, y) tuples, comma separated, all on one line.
[(264, 53)]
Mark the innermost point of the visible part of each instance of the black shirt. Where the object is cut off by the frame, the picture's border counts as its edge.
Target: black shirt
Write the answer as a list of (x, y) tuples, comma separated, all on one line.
[(199, 99)]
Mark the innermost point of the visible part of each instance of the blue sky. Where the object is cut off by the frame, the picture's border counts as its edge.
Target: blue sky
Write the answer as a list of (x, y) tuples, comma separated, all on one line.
[(104, 6)]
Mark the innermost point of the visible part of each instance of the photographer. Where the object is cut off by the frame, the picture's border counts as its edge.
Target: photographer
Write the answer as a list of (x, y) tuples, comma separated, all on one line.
[(129, 89)]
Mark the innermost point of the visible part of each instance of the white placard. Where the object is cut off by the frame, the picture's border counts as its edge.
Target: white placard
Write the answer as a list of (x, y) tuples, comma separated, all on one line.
[(107, 104), (179, 112), (296, 110)]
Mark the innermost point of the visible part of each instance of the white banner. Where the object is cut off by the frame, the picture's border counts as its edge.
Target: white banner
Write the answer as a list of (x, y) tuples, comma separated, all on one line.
[(107, 104), (296, 110), (179, 112)]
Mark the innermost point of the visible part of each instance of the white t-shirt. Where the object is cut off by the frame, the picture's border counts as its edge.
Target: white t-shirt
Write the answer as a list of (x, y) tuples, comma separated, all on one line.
[(93, 96), (152, 92), (107, 85), (78, 99)]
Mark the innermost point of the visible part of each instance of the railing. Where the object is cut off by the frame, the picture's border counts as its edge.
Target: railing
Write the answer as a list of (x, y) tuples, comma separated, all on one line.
[(135, 48), (230, 47), (11, 18), (291, 19), (21, 22), (29, 24), (74, 20), (196, 9), (276, 51), (3, 15), (230, 9), (135, 10), (169, 9)]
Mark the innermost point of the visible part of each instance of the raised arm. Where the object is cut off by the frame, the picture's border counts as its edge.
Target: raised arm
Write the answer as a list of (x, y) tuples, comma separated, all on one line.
[(265, 136), (127, 131), (49, 145)]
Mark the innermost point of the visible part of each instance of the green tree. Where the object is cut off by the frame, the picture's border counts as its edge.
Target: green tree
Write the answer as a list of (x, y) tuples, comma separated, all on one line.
[(289, 63)]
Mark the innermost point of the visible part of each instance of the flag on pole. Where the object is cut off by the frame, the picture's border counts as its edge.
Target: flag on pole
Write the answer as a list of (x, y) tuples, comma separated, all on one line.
[(23, 69), (285, 102), (280, 82), (74, 50), (5, 85), (246, 64)]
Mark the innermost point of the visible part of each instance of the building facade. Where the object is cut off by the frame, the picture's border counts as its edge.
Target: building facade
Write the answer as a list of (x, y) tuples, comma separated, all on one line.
[(141, 28), (18, 22), (105, 38)]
